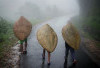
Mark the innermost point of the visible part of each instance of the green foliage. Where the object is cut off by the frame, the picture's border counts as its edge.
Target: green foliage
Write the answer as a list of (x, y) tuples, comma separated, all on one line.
[(4, 29), (90, 25), (7, 39), (98, 44)]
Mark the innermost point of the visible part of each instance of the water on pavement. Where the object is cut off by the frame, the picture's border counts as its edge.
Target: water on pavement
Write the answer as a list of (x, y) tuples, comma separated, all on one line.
[(33, 59)]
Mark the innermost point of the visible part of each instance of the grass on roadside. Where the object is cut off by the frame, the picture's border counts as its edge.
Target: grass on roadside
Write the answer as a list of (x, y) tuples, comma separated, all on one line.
[(7, 40), (88, 26)]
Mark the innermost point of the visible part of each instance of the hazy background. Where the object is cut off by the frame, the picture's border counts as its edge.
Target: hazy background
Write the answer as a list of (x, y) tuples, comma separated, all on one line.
[(87, 20), (37, 9)]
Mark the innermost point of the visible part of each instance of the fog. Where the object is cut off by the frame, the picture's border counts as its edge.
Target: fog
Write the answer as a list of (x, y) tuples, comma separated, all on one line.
[(37, 9)]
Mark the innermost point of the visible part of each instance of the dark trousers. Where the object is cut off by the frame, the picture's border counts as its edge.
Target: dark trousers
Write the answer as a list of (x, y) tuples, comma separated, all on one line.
[(68, 48)]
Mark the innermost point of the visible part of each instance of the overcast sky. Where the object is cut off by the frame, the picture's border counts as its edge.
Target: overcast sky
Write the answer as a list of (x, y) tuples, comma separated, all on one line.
[(11, 9)]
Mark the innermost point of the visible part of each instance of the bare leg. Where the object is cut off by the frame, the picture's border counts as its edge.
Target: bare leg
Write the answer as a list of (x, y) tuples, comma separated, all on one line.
[(21, 48), (25, 45), (25, 51), (48, 58), (43, 55)]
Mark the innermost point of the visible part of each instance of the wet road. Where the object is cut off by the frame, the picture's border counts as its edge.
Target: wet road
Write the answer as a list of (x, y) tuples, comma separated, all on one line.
[(33, 59)]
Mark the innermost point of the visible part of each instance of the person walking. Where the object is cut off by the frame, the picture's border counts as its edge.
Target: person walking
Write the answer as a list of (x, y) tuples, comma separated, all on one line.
[(72, 51), (43, 56), (72, 40), (23, 50), (48, 39)]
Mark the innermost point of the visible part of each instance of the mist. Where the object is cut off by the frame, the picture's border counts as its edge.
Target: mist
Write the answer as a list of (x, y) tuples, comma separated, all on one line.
[(37, 9)]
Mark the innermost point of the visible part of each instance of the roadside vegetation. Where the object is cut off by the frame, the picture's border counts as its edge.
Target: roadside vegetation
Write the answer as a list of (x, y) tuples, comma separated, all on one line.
[(89, 27), (7, 40), (89, 19)]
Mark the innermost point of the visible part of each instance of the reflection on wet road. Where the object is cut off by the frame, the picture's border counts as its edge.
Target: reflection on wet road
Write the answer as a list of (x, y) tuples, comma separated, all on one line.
[(33, 59)]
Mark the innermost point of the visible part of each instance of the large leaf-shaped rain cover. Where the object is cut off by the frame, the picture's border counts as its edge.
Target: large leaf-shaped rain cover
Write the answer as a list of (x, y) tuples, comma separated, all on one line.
[(22, 28), (71, 36), (47, 38)]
